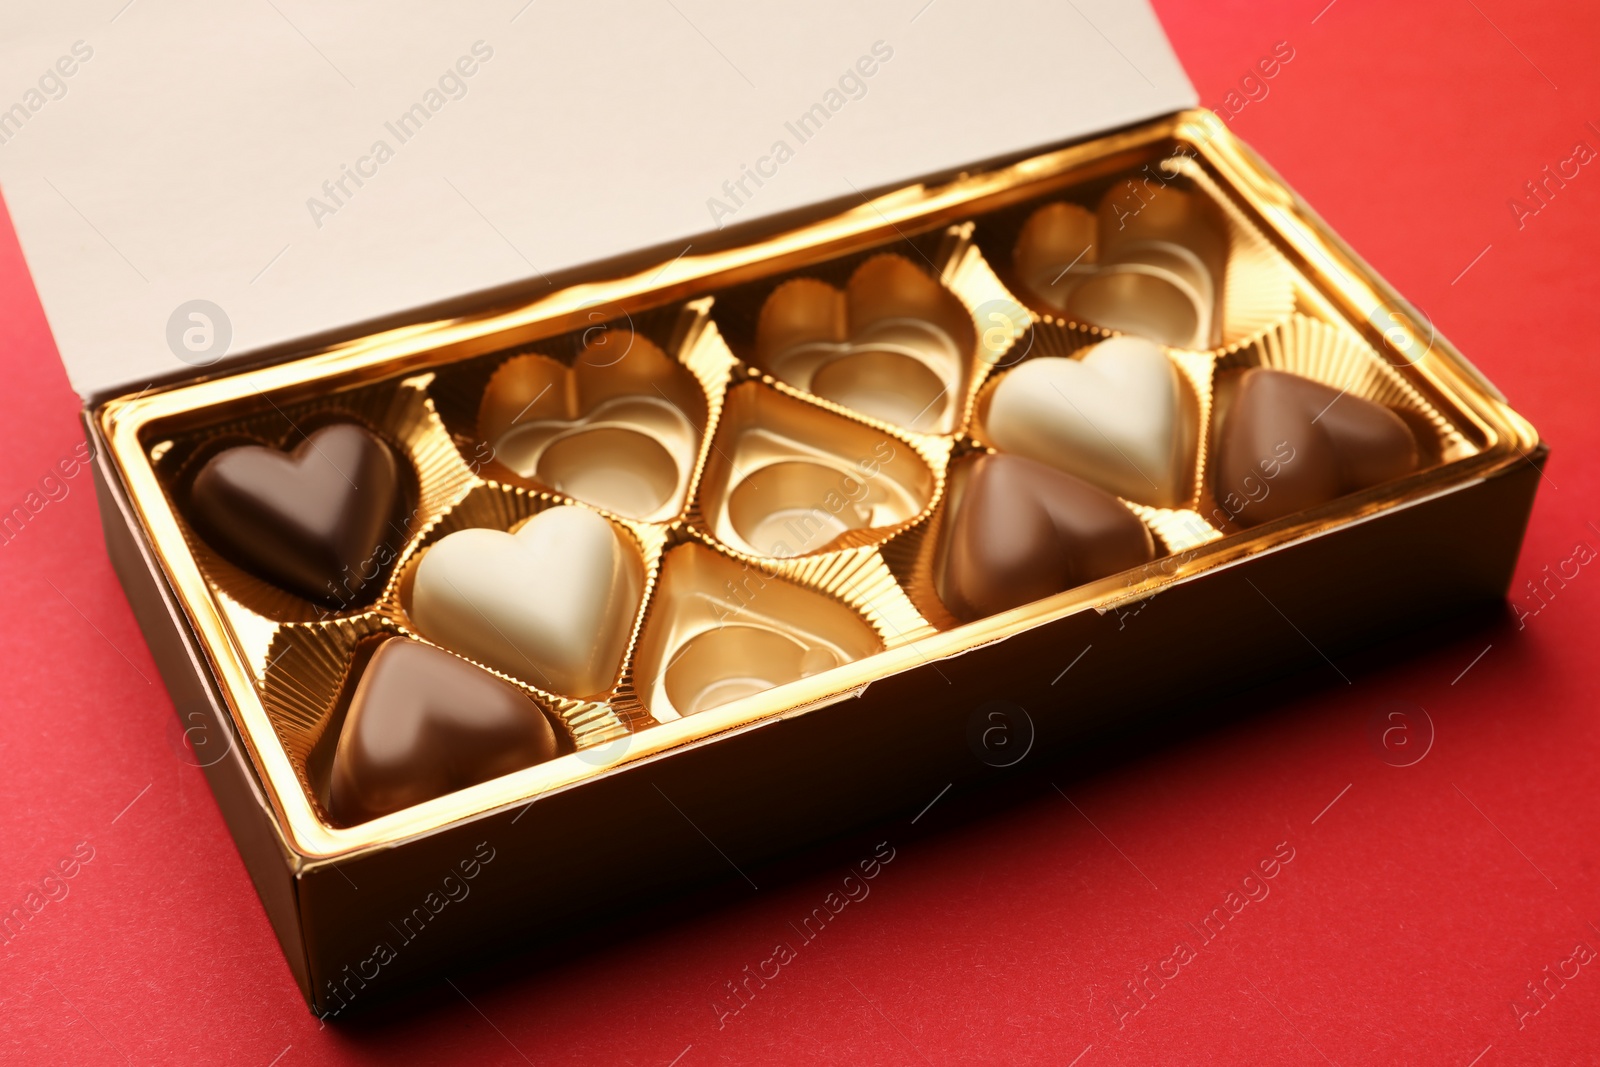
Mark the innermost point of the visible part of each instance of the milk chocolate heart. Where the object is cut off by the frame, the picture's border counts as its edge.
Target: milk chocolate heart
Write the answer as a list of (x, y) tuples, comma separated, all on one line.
[(312, 521), (1018, 531), (894, 345), (552, 604), (617, 429), (1119, 417), (423, 723), (1288, 443)]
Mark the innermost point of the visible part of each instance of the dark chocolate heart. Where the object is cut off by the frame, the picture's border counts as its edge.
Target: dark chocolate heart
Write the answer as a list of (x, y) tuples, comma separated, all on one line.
[(1288, 443), (311, 521), (423, 723), (1022, 531)]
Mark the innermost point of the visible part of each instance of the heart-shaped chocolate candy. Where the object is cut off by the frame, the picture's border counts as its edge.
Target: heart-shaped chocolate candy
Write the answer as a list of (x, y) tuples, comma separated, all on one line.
[(312, 520), (1019, 531), (895, 344), (1288, 443), (423, 723), (552, 604), (1118, 417)]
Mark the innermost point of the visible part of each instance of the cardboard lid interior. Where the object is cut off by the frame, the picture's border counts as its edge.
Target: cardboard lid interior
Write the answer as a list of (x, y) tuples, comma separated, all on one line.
[(303, 168)]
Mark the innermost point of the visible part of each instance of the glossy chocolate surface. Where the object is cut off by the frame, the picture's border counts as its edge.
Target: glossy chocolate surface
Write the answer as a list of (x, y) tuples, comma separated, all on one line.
[(311, 521), (423, 723), (1022, 531), (552, 604), (1288, 443), (1119, 416)]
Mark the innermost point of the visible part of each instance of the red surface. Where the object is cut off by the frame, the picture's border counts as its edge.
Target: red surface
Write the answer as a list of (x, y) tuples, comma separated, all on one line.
[(1413, 914)]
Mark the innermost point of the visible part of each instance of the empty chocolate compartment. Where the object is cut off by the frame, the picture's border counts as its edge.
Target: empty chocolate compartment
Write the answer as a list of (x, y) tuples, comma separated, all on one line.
[(894, 345), (720, 630), (1165, 261), (618, 429), (786, 478), (1150, 261)]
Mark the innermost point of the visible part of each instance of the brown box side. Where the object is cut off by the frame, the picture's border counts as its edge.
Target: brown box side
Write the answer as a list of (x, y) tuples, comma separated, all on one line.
[(198, 704), (569, 861)]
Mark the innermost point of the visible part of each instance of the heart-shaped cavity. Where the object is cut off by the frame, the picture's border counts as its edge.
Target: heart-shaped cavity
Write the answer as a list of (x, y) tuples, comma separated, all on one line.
[(894, 345), (1288, 443), (789, 479), (1016, 531), (720, 631), (423, 723), (312, 521), (1120, 417), (552, 604), (1150, 262), (616, 431)]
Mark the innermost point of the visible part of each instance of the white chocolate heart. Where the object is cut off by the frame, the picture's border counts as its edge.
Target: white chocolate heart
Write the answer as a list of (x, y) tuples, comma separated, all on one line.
[(1118, 417), (552, 604)]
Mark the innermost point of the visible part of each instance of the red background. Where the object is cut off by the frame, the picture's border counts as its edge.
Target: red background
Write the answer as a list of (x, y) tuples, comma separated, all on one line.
[(1415, 910)]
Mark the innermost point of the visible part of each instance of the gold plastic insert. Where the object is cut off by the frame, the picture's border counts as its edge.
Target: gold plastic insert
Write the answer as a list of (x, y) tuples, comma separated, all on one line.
[(843, 424)]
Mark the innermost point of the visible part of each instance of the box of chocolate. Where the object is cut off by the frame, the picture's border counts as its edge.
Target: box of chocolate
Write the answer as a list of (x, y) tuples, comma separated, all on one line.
[(498, 605)]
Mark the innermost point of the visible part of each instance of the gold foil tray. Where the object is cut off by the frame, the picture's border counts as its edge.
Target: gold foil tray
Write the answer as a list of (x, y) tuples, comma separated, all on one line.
[(771, 427)]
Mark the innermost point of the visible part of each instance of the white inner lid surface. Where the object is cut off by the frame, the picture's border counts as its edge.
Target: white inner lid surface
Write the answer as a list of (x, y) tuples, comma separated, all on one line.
[(185, 155)]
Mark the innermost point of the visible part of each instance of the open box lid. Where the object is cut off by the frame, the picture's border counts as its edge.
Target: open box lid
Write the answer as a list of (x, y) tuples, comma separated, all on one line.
[(305, 168)]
